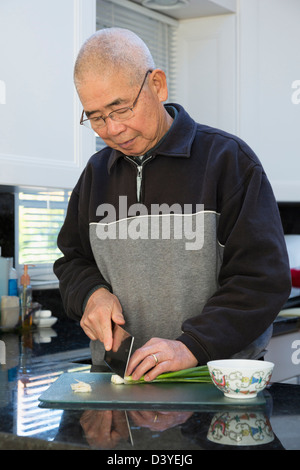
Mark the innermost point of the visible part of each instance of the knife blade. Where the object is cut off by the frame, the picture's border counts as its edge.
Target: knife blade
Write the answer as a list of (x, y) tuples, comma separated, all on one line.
[(118, 357)]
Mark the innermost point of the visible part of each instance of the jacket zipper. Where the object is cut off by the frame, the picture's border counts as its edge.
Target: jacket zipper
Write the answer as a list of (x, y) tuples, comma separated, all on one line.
[(139, 176)]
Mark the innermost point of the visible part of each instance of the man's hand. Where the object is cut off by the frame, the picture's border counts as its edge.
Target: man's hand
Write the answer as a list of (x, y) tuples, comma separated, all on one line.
[(171, 355), (102, 308), (159, 420), (104, 428)]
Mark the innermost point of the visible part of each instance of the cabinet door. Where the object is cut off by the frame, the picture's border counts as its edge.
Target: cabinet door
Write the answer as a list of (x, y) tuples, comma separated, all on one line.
[(206, 77), (41, 142), (269, 38)]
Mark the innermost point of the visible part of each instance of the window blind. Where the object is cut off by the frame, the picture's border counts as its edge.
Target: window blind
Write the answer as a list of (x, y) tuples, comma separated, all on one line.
[(40, 215), (158, 32)]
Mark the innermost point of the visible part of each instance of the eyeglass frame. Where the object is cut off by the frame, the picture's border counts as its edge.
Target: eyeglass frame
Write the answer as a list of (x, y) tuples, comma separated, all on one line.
[(104, 118)]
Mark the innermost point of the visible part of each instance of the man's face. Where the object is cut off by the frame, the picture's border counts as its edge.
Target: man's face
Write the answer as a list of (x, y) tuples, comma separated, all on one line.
[(100, 96)]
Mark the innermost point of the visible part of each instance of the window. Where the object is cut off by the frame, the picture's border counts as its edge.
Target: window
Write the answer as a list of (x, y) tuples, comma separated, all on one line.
[(39, 217), (158, 32)]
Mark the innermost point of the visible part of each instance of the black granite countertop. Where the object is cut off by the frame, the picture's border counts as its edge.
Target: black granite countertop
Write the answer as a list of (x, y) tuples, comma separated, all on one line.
[(36, 358)]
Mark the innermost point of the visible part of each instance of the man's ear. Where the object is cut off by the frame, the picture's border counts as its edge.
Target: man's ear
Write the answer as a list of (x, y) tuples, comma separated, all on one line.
[(159, 84)]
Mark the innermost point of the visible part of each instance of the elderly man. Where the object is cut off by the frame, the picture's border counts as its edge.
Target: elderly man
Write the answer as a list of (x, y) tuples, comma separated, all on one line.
[(172, 229)]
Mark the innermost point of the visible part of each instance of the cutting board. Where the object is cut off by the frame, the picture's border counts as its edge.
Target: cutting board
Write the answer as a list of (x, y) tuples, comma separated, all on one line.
[(107, 395)]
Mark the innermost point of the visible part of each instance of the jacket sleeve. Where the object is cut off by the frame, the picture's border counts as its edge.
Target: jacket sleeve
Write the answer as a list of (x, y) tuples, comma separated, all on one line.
[(76, 270), (254, 279)]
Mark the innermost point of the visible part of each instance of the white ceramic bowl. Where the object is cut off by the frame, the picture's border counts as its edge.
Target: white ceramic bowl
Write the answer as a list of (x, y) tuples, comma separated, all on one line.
[(46, 322), (240, 428), (240, 378)]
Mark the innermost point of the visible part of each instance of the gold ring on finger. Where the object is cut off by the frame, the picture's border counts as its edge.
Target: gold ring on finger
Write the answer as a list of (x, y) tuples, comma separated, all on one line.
[(155, 358)]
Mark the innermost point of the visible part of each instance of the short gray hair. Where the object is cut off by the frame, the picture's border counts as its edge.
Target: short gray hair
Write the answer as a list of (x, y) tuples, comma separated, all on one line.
[(113, 50)]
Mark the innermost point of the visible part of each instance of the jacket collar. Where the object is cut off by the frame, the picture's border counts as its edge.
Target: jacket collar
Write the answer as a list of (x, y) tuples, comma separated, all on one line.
[(177, 142)]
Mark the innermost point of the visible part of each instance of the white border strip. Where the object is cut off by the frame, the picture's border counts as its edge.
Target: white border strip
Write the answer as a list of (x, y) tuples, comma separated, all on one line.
[(152, 215)]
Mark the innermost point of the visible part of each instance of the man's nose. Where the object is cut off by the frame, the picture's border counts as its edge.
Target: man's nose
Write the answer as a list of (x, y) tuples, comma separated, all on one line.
[(114, 127)]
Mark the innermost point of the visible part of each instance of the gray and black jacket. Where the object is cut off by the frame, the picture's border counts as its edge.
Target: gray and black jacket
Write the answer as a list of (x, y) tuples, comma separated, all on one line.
[(190, 242)]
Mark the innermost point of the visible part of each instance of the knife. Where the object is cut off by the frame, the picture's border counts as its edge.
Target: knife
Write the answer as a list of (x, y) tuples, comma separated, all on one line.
[(118, 357)]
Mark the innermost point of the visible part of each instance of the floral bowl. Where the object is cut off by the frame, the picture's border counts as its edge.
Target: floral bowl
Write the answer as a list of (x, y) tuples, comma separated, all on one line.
[(240, 378), (240, 428)]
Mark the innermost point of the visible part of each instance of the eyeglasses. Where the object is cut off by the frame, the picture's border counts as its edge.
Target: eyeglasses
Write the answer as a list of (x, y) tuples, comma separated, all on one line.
[(122, 114)]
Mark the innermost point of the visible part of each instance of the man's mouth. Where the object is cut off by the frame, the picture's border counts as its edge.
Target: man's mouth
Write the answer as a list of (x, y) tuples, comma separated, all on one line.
[(127, 144)]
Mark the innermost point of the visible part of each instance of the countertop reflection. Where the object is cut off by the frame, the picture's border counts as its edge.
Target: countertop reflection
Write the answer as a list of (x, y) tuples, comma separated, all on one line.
[(35, 359)]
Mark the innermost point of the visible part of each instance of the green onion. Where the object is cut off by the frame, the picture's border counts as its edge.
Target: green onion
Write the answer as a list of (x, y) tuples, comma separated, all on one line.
[(195, 375)]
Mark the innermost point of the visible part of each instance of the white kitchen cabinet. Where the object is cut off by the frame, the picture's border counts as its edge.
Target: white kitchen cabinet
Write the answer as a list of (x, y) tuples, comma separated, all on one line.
[(241, 72), (41, 141), (206, 59), (269, 38)]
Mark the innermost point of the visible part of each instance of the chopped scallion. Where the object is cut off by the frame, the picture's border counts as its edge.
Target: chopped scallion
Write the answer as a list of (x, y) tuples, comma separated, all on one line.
[(195, 375)]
